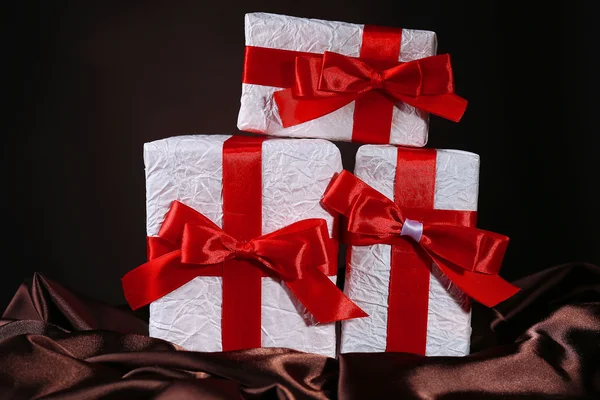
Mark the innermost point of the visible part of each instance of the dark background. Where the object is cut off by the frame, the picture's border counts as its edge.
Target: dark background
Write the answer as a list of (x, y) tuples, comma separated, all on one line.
[(92, 81)]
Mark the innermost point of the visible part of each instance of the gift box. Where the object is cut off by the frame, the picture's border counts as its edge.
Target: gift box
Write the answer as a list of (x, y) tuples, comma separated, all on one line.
[(342, 81), (221, 177), (411, 216)]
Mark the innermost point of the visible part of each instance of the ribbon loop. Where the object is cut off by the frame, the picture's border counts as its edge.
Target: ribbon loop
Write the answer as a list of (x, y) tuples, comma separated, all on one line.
[(325, 85), (404, 80), (341, 74), (470, 257)]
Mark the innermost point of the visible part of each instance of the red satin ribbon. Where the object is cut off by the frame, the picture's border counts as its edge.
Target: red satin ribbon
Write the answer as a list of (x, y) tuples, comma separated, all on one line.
[(189, 245), (317, 85), (470, 257), (373, 110), (410, 268), (242, 218)]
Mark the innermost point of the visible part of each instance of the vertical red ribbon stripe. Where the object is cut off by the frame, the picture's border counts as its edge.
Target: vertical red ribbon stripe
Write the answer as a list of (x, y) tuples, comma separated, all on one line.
[(410, 268), (414, 192), (242, 219), (373, 112)]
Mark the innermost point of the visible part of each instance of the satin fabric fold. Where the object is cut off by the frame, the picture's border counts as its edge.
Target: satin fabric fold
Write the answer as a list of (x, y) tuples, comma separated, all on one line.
[(470, 257), (543, 344)]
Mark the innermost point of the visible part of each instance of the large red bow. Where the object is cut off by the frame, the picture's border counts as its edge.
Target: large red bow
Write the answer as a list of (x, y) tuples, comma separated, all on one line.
[(470, 257), (323, 85), (190, 245)]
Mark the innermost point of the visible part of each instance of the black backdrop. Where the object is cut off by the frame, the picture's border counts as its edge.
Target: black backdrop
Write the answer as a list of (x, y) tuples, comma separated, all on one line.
[(93, 80)]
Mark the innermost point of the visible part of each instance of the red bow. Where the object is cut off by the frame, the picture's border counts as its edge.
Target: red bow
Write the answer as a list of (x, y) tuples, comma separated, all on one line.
[(323, 85), (190, 245), (470, 257)]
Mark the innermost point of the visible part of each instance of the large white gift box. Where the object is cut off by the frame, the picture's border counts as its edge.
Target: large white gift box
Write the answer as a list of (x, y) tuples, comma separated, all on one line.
[(259, 112), (295, 173)]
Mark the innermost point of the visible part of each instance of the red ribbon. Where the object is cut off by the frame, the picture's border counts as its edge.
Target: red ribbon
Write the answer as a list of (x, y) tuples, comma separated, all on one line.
[(242, 218), (323, 86), (190, 245), (317, 85), (469, 257)]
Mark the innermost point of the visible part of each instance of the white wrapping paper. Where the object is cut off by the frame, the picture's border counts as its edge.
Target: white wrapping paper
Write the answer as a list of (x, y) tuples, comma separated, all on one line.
[(188, 169), (367, 280), (258, 112)]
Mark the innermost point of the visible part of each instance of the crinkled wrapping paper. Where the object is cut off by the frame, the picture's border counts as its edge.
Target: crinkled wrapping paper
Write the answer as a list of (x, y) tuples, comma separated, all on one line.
[(367, 278), (295, 175), (258, 112)]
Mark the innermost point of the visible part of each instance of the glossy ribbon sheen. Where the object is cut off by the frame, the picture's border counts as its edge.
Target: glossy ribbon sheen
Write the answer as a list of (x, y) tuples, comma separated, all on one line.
[(325, 85), (470, 257), (190, 245), (241, 316), (410, 267)]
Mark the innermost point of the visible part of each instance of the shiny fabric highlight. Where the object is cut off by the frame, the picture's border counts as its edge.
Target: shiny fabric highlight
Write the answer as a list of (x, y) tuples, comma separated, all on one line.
[(324, 85), (544, 343)]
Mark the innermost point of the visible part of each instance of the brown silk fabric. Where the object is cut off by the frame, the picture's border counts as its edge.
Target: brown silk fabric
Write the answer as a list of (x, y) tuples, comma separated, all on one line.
[(543, 343)]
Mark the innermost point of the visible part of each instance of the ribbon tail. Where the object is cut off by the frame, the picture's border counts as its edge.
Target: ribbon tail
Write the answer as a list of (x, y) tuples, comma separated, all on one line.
[(448, 105), (488, 290), (294, 110), (155, 279), (323, 299)]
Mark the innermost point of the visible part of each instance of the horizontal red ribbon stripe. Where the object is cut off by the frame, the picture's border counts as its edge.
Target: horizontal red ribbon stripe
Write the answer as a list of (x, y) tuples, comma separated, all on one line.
[(272, 67)]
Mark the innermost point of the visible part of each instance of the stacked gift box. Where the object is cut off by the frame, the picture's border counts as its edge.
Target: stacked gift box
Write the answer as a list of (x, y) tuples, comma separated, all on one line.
[(244, 231)]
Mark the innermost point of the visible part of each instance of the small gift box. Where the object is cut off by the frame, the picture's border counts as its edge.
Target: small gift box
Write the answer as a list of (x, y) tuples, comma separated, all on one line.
[(341, 81), (415, 257), (240, 250)]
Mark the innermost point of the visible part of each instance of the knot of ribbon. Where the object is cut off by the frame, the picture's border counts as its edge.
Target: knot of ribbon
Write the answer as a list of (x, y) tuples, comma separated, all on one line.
[(470, 257), (325, 84), (341, 74), (190, 245), (245, 250)]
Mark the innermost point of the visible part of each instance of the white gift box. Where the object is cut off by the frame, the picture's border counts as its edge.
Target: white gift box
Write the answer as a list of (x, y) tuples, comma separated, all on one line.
[(295, 174), (368, 274), (258, 111)]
